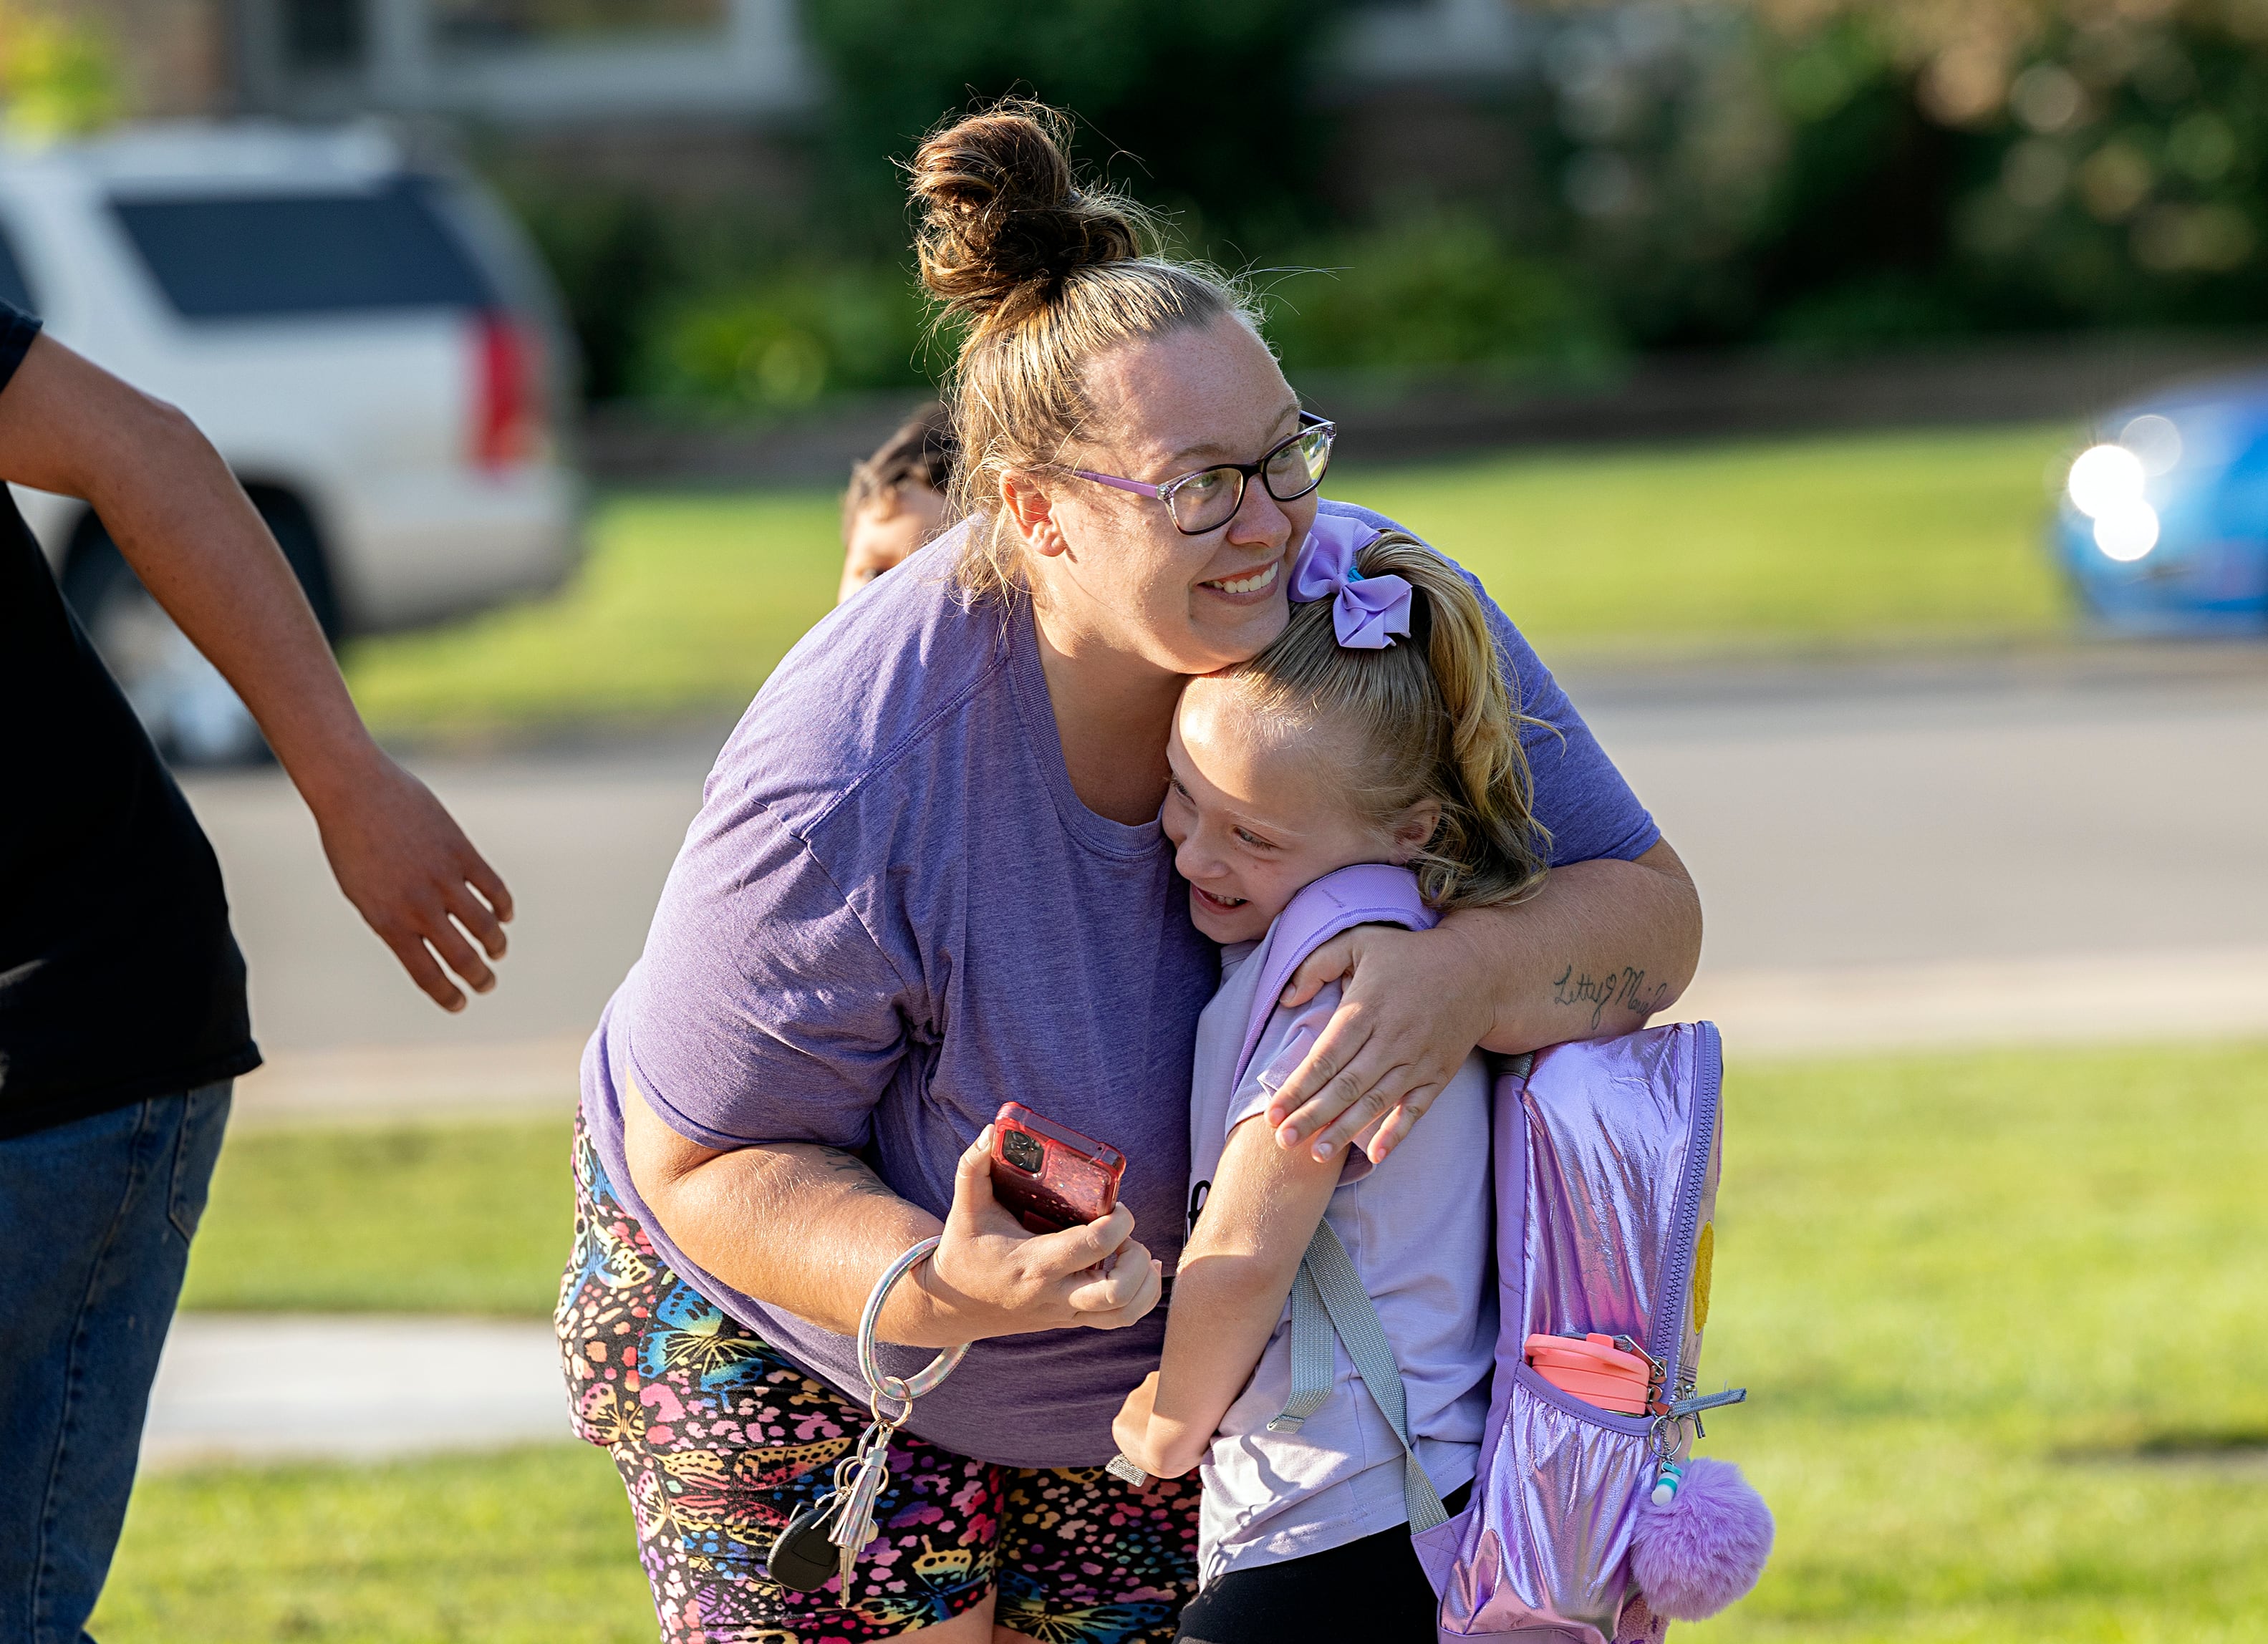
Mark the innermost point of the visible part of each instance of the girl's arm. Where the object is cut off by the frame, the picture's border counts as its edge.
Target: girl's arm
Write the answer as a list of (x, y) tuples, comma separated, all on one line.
[(1235, 1272)]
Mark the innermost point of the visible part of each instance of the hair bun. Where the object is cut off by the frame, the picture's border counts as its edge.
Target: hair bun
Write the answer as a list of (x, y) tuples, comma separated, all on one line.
[(1004, 222)]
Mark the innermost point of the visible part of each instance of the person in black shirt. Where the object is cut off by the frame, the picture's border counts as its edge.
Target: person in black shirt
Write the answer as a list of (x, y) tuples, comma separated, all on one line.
[(122, 1017)]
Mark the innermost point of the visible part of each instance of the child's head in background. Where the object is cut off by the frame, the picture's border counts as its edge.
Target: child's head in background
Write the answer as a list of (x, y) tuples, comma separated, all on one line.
[(896, 498), (1316, 755)]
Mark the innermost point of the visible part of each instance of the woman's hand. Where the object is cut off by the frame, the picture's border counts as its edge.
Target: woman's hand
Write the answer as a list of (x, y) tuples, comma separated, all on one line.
[(825, 1226), (1130, 1427), (1414, 1005), (991, 1276), (1602, 947)]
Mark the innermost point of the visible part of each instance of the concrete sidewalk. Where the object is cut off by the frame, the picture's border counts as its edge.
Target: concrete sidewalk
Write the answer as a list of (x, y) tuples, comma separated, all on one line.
[(2054, 998), (264, 1388)]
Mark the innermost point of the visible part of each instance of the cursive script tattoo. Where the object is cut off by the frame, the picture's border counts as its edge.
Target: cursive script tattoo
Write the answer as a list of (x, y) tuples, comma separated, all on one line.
[(1624, 987)]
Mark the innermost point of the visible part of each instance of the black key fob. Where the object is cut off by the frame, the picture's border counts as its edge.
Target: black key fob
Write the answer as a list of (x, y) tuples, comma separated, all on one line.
[(802, 1557)]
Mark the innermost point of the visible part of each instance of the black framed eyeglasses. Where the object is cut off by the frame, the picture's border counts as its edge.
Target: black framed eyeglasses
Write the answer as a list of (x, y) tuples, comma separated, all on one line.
[(1208, 498)]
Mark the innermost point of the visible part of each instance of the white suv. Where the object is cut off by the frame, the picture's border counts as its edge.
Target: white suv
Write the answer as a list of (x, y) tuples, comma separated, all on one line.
[(370, 344)]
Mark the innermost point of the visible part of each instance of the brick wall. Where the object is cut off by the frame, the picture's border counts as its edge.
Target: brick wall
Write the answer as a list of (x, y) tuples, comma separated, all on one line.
[(173, 55)]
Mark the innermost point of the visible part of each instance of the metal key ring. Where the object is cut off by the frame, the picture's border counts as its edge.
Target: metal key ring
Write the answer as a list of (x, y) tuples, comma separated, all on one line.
[(879, 1383)]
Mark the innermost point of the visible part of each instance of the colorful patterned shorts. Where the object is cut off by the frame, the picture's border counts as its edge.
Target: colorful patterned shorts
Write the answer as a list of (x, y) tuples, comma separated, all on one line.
[(719, 1439)]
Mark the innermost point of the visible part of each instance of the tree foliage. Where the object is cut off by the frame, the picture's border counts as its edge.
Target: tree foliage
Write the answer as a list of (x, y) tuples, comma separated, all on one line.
[(1869, 170), (1840, 174), (58, 77), (1192, 104)]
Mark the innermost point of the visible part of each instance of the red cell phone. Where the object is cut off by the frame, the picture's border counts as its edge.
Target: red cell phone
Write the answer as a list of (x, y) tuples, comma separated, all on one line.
[(1048, 1174)]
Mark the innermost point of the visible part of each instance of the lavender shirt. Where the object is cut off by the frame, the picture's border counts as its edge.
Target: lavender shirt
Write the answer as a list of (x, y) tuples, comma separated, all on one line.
[(893, 913), (1418, 1229)]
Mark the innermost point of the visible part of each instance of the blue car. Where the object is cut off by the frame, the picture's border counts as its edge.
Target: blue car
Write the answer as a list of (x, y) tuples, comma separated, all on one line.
[(2163, 526)]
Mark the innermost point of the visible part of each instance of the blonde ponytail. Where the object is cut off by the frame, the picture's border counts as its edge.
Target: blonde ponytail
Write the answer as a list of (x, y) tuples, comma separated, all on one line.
[(1434, 720)]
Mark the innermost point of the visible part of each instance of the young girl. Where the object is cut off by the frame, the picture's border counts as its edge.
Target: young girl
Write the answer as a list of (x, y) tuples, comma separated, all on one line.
[(1375, 729)]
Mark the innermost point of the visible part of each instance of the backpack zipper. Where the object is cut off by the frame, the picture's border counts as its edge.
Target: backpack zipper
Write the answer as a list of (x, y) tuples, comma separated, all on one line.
[(1667, 1334)]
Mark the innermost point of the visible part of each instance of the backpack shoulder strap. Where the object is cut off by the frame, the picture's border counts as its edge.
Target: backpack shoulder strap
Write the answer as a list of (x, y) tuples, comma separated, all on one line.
[(1329, 1299), (1369, 893)]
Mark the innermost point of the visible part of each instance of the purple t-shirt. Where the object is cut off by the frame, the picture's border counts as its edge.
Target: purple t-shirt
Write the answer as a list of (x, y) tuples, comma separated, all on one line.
[(893, 913)]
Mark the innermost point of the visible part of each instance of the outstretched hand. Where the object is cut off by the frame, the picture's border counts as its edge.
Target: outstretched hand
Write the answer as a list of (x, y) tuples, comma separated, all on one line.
[(412, 874), (1005, 1279), (186, 527), (1414, 1005)]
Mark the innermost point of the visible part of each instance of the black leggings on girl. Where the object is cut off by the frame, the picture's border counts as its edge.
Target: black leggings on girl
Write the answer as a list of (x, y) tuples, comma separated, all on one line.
[(1372, 1591)]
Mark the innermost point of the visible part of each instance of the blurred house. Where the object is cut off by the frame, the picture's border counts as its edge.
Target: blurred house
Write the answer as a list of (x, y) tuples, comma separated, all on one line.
[(526, 62), (174, 56), (698, 96), (1419, 87)]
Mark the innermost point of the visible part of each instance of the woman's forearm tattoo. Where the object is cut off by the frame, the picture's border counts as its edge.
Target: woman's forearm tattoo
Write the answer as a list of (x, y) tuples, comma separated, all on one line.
[(1625, 988), (856, 1173)]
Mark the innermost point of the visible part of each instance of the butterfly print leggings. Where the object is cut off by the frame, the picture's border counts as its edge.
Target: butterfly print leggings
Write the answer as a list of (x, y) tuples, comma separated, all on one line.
[(719, 1439)]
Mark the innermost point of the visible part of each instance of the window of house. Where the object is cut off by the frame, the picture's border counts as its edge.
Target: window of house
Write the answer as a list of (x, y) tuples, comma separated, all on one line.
[(545, 22), (324, 34)]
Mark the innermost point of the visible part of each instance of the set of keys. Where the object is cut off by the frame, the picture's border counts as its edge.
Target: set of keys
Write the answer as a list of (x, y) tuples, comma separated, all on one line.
[(823, 1540)]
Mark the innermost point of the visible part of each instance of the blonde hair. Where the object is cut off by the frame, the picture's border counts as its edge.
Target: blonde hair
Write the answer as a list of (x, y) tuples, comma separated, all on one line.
[(1043, 276), (1430, 718)]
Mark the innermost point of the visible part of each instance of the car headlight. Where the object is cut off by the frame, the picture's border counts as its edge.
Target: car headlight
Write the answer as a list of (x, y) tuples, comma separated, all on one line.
[(2128, 533), (2106, 485)]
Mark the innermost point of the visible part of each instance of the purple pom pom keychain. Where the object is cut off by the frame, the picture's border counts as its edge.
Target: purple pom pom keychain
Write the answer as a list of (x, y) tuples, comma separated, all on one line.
[(1702, 1536)]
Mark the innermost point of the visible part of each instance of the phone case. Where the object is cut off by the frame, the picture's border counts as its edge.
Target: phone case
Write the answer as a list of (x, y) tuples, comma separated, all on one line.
[(1054, 1177)]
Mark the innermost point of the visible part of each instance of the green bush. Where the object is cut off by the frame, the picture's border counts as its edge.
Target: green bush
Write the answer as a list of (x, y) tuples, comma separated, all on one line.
[(781, 341), (1839, 175), (1203, 104), (1428, 296), (616, 258), (1442, 295)]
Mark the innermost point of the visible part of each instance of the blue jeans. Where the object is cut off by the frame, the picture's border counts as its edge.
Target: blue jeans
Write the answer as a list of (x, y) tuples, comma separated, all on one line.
[(95, 1221)]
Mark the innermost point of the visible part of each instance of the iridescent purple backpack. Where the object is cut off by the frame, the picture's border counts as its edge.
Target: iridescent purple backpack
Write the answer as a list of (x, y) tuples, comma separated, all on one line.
[(1584, 1526)]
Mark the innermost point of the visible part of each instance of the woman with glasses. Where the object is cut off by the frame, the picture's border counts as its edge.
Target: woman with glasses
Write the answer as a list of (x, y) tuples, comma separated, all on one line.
[(929, 877)]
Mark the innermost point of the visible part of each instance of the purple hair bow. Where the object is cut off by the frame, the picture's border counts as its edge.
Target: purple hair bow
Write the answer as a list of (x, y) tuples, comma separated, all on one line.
[(1368, 613)]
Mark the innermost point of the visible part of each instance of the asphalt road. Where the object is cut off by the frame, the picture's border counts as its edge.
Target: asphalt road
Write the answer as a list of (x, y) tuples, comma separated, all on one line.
[(584, 839), (2102, 801), (2104, 804)]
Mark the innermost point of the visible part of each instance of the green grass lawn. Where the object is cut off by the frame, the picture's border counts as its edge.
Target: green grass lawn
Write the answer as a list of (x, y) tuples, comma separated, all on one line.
[(684, 607), (1873, 539), (688, 600), (1974, 1296), (532, 1547), (470, 1218), (2000, 1315)]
